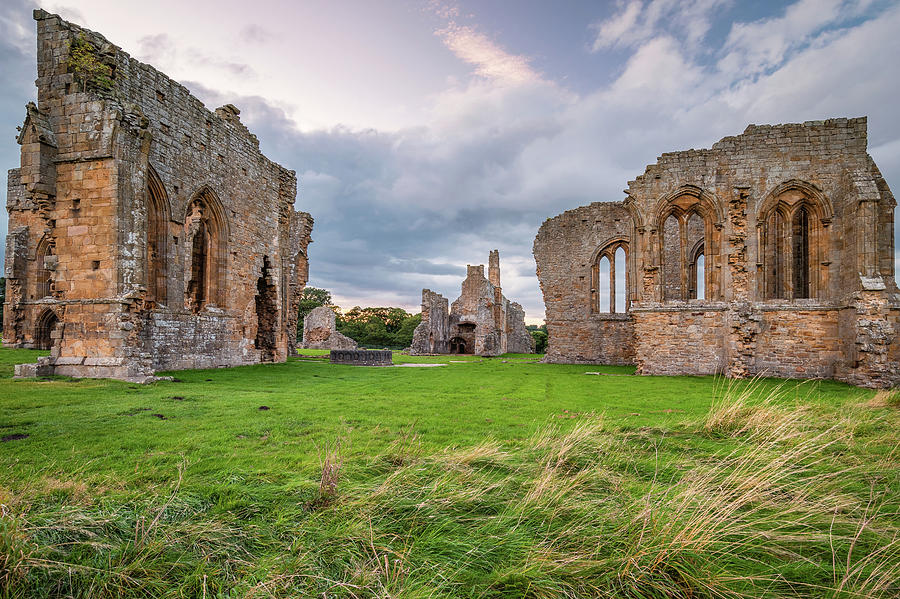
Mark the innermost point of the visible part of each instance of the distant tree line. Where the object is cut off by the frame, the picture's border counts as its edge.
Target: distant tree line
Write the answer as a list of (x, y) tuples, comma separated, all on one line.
[(369, 327)]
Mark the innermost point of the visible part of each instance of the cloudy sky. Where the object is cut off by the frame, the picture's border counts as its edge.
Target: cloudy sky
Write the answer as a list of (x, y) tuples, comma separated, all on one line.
[(426, 133)]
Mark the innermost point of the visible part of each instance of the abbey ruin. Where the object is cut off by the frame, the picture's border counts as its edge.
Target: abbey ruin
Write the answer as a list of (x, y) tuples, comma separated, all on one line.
[(146, 233), (771, 253), (481, 321)]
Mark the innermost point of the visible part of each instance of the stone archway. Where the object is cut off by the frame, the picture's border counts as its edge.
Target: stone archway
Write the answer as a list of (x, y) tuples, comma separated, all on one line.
[(43, 329), (458, 346)]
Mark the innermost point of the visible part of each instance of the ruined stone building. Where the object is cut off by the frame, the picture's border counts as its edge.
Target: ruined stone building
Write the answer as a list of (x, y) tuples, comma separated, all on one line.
[(320, 331), (146, 233), (481, 321), (770, 253)]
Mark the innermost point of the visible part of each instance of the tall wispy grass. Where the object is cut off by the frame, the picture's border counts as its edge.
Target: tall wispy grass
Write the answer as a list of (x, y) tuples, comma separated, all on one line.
[(751, 501)]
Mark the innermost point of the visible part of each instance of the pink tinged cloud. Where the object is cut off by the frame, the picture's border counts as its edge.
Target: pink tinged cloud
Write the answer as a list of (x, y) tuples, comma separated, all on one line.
[(490, 61)]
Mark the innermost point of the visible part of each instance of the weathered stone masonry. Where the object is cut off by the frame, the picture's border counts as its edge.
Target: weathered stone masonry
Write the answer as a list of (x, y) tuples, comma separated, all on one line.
[(481, 321), (770, 253), (146, 232)]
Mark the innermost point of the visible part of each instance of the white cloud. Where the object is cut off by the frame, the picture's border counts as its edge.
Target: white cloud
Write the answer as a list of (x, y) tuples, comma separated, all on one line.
[(760, 45), (619, 29), (637, 21)]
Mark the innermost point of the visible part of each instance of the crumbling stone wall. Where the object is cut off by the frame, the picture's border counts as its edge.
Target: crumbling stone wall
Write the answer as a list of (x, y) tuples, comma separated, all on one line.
[(481, 321), (567, 251), (518, 339), (154, 229), (320, 331), (770, 253), (432, 335)]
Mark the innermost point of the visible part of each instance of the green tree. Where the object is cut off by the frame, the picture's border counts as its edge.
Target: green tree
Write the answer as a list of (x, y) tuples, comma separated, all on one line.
[(403, 337), (378, 326), (540, 340), (311, 298)]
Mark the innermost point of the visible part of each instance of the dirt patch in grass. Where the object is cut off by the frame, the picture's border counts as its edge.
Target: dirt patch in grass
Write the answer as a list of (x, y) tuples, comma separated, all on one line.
[(14, 437)]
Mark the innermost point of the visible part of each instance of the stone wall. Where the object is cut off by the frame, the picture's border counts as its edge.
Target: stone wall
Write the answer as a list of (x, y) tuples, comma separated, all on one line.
[(432, 335), (151, 214), (480, 321), (566, 250), (518, 339), (362, 357), (320, 331), (598, 339), (768, 253)]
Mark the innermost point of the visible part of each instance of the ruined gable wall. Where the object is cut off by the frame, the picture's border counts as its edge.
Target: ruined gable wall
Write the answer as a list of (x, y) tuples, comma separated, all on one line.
[(793, 338), (107, 142), (564, 250), (475, 305), (738, 173)]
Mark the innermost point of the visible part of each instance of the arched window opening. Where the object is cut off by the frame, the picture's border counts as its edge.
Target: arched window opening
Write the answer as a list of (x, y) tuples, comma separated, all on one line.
[(266, 313), (44, 276), (700, 276), (793, 242), (609, 279), (44, 328), (603, 285), (800, 247), (688, 228), (672, 259), (205, 236), (620, 294), (696, 271), (157, 239)]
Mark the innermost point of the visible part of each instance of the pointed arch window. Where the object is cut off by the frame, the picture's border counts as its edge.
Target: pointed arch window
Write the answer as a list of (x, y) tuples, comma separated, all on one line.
[(684, 243), (205, 239), (157, 239), (793, 244), (609, 279), (43, 278)]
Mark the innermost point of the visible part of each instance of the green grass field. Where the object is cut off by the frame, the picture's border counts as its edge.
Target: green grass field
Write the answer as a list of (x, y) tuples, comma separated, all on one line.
[(479, 478)]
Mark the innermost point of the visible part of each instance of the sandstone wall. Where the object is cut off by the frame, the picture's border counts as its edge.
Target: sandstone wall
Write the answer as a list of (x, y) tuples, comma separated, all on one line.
[(111, 170), (814, 299), (599, 339), (477, 306), (565, 251)]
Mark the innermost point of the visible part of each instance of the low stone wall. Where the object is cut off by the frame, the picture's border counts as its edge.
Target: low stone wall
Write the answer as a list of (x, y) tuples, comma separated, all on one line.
[(179, 341), (362, 357), (600, 339)]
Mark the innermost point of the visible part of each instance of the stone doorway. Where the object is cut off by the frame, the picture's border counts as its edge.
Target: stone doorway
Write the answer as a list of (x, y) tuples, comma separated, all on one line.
[(464, 341), (43, 333)]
